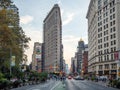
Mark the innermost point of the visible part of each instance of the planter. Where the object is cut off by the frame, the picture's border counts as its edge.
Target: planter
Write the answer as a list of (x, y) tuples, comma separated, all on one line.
[(17, 83), (4, 83), (118, 84)]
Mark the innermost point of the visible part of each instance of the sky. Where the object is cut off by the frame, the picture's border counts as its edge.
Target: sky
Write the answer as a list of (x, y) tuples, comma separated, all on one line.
[(74, 22)]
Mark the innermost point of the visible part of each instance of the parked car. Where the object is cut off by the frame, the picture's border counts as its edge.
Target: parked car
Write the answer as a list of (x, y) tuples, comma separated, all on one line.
[(78, 78)]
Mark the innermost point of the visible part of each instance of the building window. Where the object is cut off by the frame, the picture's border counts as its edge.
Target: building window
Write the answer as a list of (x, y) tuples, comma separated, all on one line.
[(111, 30), (110, 23), (105, 58), (114, 42), (111, 43), (99, 6), (106, 19), (98, 52), (111, 36), (114, 48), (107, 44), (106, 13), (114, 22), (111, 49), (114, 29), (110, 11), (112, 56), (99, 2), (106, 66), (107, 37), (105, 2), (99, 59), (107, 50), (113, 9), (112, 3), (114, 66), (106, 25), (113, 15), (114, 35), (100, 67)]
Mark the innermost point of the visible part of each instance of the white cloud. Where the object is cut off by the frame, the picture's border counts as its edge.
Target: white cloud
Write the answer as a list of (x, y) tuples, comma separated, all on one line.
[(36, 36), (70, 38), (69, 18), (59, 2), (70, 43), (26, 19), (62, 11)]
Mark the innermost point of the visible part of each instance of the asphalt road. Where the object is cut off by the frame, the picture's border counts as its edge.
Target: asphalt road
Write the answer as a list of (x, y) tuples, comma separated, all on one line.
[(85, 85), (49, 85), (69, 85)]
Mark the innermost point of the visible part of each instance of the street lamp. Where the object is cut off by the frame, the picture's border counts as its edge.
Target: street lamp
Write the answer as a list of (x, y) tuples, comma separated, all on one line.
[(82, 72), (10, 60)]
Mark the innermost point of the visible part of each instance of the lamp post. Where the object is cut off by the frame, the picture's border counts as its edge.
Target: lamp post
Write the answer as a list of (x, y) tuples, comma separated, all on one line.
[(82, 73), (10, 60)]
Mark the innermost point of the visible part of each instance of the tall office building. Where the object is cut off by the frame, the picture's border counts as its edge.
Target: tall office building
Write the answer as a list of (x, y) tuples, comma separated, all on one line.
[(53, 40), (37, 57), (85, 61), (12, 12), (103, 37), (64, 66), (80, 48), (9, 18), (72, 65)]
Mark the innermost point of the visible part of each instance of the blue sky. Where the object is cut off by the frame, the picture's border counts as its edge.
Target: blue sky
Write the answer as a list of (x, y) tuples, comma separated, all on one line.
[(74, 22)]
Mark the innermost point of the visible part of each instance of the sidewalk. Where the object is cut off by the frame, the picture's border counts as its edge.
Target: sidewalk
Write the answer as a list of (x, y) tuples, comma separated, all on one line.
[(60, 86)]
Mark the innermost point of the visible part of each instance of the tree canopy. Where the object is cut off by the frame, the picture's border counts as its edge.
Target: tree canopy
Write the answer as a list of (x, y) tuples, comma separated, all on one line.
[(12, 37)]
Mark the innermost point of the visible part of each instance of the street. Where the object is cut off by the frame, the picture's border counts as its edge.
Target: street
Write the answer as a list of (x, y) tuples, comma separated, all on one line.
[(69, 85), (85, 85), (43, 86)]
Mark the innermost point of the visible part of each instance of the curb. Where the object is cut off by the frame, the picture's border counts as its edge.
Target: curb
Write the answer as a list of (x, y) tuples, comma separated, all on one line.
[(60, 86)]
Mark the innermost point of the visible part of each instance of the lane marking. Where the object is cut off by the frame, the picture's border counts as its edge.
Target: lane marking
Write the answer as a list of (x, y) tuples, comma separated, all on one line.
[(55, 86)]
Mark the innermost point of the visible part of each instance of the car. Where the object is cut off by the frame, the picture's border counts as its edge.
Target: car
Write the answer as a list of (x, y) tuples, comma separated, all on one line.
[(69, 77), (78, 78)]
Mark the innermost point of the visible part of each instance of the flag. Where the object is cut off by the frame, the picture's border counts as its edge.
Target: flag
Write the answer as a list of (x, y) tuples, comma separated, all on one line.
[(116, 55)]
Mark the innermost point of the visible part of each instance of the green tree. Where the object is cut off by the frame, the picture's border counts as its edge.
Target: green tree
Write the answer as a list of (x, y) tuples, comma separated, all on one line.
[(12, 36)]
